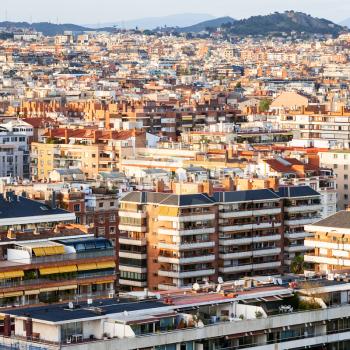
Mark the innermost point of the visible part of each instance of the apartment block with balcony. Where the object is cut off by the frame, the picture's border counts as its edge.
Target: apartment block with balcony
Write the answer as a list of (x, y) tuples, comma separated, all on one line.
[(175, 240), (45, 256), (173, 237), (92, 151), (329, 244), (250, 233), (301, 206)]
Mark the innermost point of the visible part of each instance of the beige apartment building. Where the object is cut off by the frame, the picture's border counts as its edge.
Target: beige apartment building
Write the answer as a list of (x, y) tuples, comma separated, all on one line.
[(330, 244), (92, 151), (339, 161)]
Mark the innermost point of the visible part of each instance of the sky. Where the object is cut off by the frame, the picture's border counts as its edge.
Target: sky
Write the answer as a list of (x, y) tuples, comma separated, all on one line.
[(100, 11)]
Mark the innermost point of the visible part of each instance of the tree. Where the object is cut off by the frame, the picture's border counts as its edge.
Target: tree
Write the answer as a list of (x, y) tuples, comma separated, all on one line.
[(264, 105), (298, 265)]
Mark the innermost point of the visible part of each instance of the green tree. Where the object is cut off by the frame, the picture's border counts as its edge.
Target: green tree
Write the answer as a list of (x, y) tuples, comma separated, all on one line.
[(298, 265), (264, 105)]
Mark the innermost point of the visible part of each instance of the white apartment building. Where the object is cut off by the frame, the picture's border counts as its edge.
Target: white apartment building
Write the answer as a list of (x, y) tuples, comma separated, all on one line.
[(14, 149)]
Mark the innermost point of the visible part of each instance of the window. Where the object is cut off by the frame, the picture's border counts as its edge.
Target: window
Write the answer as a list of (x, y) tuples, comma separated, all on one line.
[(346, 167), (335, 166), (101, 231), (101, 219), (111, 204), (112, 230), (346, 177), (112, 218), (100, 205), (346, 197), (346, 186), (76, 207)]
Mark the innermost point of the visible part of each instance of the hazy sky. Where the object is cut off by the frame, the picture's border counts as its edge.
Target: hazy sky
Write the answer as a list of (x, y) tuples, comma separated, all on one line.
[(99, 11)]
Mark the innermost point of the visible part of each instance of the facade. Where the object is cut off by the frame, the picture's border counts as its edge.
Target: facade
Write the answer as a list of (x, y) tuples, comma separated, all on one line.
[(174, 240), (14, 149), (239, 316), (46, 257), (338, 161), (329, 240)]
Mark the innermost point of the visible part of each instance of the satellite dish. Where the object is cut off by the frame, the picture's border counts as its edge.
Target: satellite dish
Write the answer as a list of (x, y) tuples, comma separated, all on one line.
[(70, 305), (196, 287), (218, 288), (220, 280)]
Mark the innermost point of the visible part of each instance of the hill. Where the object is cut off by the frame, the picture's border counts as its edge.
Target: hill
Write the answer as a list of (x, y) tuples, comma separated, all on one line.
[(284, 22), (48, 28), (213, 23), (179, 20)]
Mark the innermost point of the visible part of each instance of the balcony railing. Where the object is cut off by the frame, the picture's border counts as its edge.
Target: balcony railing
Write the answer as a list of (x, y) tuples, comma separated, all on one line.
[(67, 257)]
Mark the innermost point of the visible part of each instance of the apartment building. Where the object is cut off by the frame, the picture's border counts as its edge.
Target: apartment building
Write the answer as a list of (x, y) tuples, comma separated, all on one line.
[(45, 257), (173, 240), (329, 243), (293, 172), (251, 314), (321, 129), (92, 151), (166, 241), (339, 161), (14, 149)]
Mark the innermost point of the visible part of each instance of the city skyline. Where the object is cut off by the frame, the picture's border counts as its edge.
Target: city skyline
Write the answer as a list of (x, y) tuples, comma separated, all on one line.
[(110, 11)]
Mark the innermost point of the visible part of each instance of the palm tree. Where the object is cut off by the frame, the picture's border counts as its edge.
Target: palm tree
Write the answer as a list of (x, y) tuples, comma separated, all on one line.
[(298, 265)]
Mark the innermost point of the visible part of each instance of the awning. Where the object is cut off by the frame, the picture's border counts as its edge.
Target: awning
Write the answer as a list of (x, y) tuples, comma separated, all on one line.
[(32, 292), (103, 282), (13, 274), (73, 286), (69, 268), (106, 265), (39, 251), (85, 267), (49, 270), (52, 289), (50, 250), (12, 294)]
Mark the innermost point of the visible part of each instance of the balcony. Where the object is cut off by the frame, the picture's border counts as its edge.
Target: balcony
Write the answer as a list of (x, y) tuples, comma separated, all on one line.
[(248, 213), (67, 257), (132, 228), (250, 267), (188, 218), (186, 274), (301, 221), (303, 208), (247, 227), (126, 239), (238, 255), (297, 248), (34, 283), (132, 283), (297, 235), (130, 268), (188, 260), (186, 246), (267, 252), (186, 232), (132, 255), (132, 214), (249, 240)]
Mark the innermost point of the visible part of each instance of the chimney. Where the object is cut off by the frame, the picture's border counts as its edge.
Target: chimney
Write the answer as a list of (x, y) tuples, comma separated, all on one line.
[(7, 326), (208, 187), (29, 328), (53, 200)]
